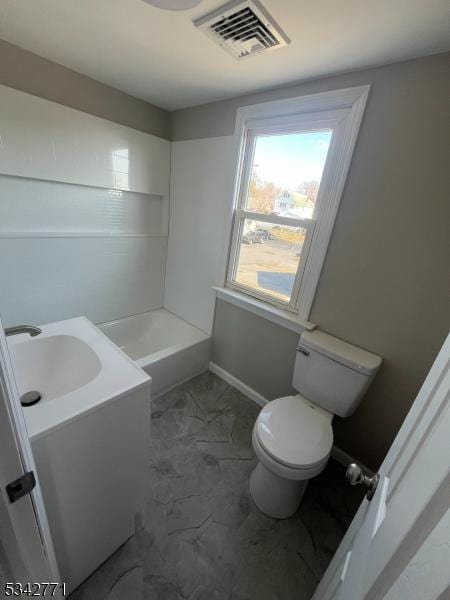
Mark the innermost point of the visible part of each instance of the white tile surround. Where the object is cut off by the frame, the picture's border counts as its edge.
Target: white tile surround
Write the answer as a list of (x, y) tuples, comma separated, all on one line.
[(69, 250), (35, 207), (83, 227), (54, 278), (44, 140), (200, 218), (72, 243)]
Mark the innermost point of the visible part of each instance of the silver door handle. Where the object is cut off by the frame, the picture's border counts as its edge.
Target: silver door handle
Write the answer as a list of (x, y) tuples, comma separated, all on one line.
[(355, 476)]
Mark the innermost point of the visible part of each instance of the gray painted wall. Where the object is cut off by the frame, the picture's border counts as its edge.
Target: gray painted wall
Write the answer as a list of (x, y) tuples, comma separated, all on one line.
[(384, 285), (256, 351), (35, 75), (218, 118)]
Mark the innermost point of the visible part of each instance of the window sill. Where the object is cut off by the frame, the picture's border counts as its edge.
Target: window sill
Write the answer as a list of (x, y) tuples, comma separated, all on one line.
[(271, 313)]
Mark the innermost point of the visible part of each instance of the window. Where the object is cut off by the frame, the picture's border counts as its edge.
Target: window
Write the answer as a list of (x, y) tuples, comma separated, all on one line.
[(291, 172), (276, 220)]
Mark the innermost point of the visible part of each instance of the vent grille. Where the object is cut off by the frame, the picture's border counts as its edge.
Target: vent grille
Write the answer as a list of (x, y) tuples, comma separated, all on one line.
[(243, 29)]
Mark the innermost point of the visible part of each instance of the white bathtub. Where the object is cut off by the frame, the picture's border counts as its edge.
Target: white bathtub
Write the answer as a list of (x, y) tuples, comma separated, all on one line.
[(169, 349)]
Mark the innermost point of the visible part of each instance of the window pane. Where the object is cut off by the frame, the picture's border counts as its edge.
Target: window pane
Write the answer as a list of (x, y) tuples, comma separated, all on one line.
[(269, 257), (286, 173)]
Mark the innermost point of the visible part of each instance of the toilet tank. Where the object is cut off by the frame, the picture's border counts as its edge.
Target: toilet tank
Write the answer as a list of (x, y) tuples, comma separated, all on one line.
[(331, 373)]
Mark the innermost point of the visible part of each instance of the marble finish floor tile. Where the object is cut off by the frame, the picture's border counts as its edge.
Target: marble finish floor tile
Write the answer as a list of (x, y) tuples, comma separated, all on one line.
[(200, 536)]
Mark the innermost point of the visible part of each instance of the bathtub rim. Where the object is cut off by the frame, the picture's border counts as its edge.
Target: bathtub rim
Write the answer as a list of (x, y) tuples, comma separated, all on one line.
[(154, 357)]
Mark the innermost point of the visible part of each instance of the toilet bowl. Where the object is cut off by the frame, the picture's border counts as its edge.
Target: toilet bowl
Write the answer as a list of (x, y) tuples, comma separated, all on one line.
[(292, 440), (292, 436)]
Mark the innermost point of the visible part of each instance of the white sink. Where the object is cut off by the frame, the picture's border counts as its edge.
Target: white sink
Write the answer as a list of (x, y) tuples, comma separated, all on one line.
[(89, 438), (74, 367), (54, 366)]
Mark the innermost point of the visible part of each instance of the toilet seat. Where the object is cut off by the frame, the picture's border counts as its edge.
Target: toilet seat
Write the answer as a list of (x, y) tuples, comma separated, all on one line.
[(294, 432)]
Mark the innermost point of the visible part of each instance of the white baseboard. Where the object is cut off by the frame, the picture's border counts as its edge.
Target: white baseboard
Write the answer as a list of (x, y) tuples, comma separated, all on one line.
[(238, 384), (339, 455)]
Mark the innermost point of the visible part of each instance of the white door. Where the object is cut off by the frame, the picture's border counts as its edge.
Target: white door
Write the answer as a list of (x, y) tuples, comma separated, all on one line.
[(25, 536), (397, 546)]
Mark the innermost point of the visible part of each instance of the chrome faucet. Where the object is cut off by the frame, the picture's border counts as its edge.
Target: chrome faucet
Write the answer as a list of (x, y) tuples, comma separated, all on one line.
[(31, 329)]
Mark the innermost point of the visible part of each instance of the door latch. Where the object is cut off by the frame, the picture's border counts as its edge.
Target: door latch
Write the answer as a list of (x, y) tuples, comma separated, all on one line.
[(21, 487), (355, 476)]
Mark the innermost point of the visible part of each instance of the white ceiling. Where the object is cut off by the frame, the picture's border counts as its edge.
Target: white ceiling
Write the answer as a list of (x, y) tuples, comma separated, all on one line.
[(159, 56)]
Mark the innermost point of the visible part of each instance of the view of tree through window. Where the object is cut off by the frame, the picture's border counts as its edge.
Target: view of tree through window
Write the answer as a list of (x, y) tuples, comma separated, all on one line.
[(287, 167), (285, 180)]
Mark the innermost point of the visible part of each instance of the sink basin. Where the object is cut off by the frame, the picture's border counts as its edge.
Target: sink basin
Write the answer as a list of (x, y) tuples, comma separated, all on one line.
[(89, 436), (75, 368), (53, 366)]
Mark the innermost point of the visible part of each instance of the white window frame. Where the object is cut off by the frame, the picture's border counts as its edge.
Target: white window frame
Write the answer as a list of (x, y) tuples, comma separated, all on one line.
[(342, 112)]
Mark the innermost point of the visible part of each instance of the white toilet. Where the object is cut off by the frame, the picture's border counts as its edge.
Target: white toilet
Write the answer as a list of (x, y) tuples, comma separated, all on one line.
[(292, 436)]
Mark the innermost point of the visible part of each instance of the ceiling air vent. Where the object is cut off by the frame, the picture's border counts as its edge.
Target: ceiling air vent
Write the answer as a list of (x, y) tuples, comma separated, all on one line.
[(243, 29)]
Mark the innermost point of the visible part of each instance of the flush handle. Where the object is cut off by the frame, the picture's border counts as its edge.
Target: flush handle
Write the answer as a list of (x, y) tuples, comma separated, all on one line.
[(355, 476), (303, 351)]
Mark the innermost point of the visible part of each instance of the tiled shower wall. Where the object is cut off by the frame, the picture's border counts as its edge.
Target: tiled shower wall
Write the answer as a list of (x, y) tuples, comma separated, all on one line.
[(69, 250), (83, 214)]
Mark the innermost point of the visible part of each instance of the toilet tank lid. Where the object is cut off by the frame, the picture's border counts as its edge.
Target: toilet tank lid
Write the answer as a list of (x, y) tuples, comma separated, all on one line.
[(351, 356)]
